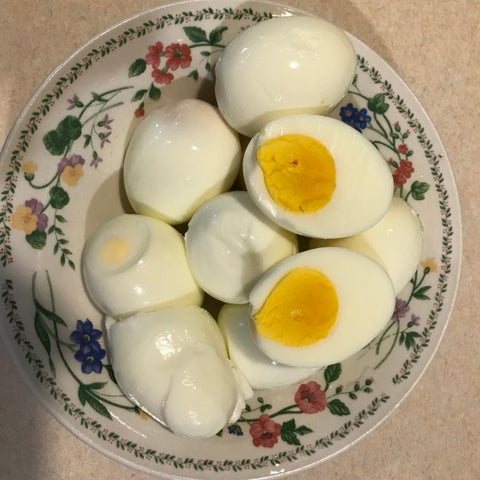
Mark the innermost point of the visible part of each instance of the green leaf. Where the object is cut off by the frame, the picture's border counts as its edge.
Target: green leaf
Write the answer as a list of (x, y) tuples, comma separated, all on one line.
[(137, 67), (98, 406), (111, 374), (419, 189), (337, 407), (88, 140), (303, 430), (49, 314), (58, 197), (410, 339), (154, 93), (377, 103), (96, 385), (37, 239), (216, 34), (42, 333), (82, 394), (54, 143), (139, 94), (332, 372), (70, 128), (420, 293), (52, 367), (194, 74), (288, 433), (196, 34)]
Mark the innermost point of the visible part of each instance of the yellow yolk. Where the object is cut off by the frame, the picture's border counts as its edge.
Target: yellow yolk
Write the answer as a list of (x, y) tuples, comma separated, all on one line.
[(299, 172), (114, 250), (300, 310)]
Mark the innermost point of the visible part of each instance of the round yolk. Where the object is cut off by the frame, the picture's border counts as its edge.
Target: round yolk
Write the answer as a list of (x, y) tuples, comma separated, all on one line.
[(300, 310), (114, 251), (299, 172)]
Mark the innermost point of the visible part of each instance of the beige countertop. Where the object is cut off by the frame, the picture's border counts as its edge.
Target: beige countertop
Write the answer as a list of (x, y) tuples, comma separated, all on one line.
[(435, 47)]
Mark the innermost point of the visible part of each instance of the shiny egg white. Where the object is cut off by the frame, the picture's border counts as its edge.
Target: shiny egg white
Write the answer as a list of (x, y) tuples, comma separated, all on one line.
[(282, 66), (364, 185), (134, 262), (395, 242), (366, 300)]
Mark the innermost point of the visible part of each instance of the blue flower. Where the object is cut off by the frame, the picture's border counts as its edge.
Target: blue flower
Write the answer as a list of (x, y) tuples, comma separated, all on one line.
[(85, 334), (358, 119), (91, 356), (235, 429)]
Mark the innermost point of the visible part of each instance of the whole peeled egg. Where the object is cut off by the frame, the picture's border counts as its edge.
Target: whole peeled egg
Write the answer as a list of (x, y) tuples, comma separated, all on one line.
[(317, 176), (283, 66), (180, 155), (320, 306), (134, 262), (395, 242)]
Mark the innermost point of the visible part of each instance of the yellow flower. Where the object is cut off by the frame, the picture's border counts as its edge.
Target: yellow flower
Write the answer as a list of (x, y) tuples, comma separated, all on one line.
[(30, 167), (71, 175), (430, 263), (23, 219)]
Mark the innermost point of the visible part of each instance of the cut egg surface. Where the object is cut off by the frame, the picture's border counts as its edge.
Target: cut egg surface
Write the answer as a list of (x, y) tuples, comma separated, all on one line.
[(180, 155), (317, 176), (260, 371), (320, 306), (283, 66), (173, 364), (134, 262), (395, 242), (230, 243)]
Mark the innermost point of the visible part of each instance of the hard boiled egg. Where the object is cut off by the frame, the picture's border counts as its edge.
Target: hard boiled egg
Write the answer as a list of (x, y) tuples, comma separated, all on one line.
[(230, 244), (180, 155), (395, 242), (320, 306), (283, 66), (172, 363), (317, 176), (134, 262), (260, 371)]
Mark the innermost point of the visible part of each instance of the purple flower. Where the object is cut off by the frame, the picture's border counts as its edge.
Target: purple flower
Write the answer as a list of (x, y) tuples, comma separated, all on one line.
[(358, 119), (415, 320), (84, 335), (401, 309), (91, 356), (37, 207), (104, 138), (71, 161), (74, 102), (106, 122)]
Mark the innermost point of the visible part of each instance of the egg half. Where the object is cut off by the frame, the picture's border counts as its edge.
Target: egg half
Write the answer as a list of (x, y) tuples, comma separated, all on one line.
[(260, 371), (395, 242), (317, 176), (180, 155), (134, 262), (230, 244), (320, 306), (283, 66), (172, 363)]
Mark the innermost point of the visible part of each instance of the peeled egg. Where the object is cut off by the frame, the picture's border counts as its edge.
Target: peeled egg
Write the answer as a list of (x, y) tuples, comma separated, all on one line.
[(317, 176), (283, 66), (180, 155), (260, 371), (395, 242), (320, 306), (134, 262), (230, 244), (172, 363)]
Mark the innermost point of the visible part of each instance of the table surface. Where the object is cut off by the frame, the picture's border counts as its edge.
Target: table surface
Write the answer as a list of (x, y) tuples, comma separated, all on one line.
[(435, 47)]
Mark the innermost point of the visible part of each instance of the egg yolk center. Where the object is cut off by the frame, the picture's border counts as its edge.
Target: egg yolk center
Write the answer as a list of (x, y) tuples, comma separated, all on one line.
[(114, 251), (301, 309), (299, 172)]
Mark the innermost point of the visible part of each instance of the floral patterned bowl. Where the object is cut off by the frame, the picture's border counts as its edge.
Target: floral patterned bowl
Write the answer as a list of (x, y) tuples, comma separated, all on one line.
[(61, 178)]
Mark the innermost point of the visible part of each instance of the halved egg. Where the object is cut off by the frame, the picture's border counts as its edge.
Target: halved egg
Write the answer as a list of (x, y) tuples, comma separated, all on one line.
[(320, 306), (230, 244), (172, 363), (395, 242), (180, 155), (283, 66), (317, 176), (260, 371), (134, 262)]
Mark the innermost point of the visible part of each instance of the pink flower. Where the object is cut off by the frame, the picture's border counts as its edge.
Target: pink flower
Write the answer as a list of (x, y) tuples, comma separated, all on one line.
[(154, 53), (310, 398), (178, 55), (402, 148), (265, 432), (403, 173), (162, 77)]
